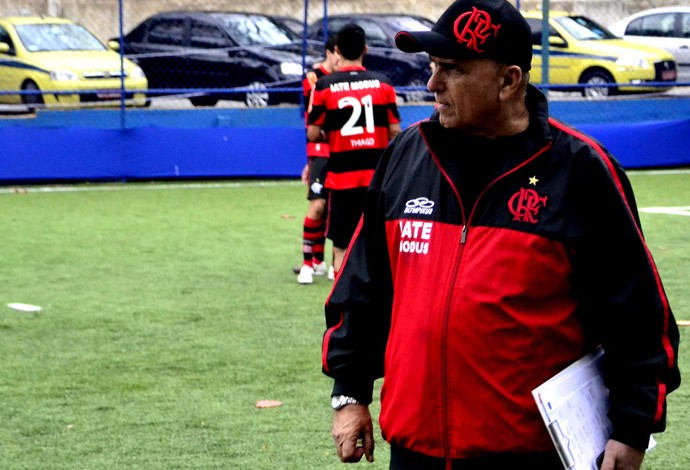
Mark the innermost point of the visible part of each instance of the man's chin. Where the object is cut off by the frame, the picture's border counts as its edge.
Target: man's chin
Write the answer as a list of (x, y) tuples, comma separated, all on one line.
[(445, 121)]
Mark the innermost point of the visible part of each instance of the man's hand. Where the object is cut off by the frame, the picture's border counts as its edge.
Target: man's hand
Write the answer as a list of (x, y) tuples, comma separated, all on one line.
[(350, 424), (618, 456)]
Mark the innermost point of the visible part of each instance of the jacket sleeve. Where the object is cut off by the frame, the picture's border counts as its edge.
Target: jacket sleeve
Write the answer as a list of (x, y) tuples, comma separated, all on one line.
[(625, 306), (359, 306)]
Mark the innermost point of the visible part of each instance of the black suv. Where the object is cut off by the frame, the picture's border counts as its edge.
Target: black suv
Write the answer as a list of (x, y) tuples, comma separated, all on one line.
[(187, 51), (410, 71)]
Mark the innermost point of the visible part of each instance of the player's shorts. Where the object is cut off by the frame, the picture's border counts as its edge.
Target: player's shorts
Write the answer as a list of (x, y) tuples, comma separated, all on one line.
[(318, 167), (345, 208)]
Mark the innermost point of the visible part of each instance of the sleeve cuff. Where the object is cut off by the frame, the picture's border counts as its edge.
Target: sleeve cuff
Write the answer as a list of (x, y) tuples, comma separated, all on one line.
[(362, 392), (631, 432)]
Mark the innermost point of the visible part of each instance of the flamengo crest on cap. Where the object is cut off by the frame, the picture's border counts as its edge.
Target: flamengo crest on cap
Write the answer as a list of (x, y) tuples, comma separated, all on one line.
[(476, 28)]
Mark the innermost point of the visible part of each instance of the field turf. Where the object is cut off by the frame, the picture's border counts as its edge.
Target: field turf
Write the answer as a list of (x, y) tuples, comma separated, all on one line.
[(169, 310)]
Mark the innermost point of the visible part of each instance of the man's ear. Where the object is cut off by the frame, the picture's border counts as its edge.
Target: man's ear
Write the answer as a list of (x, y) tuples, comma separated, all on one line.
[(511, 79)]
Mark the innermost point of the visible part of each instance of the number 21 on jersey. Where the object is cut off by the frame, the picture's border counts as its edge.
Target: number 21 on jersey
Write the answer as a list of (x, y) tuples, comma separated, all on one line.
[(350, 128)]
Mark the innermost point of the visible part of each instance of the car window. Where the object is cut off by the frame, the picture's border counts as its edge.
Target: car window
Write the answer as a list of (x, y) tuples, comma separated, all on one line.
[(535, 26), (652, 25), (584, 29), (254, 30), (406, 23), (207, 36), (138, 34), (5, 37), (685, 25), (57, 37), (169, 32), (335, 24), (295, 26), (375, 34)]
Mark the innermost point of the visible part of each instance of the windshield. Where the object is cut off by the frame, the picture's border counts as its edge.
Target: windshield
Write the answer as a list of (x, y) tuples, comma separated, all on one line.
[(57, 37), (255, 31), (584, 29), (408, 23)]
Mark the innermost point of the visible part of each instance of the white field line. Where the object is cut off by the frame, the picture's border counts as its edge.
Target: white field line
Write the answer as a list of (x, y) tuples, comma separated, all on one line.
[(670, 171), (141, 186), (684, 211), (77, 187)]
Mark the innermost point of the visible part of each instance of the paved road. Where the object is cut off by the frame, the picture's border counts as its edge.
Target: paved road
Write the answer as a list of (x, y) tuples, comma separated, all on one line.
[(181, 102)]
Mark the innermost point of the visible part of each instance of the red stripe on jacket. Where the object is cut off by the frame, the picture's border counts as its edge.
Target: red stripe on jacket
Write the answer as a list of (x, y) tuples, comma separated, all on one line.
[(668, 348)]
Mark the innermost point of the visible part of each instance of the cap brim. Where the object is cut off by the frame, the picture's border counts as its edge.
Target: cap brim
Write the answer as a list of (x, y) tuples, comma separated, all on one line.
[(431, 42)]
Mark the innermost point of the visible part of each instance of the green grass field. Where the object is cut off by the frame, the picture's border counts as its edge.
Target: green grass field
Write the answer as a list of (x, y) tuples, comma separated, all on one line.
[(170, 310)]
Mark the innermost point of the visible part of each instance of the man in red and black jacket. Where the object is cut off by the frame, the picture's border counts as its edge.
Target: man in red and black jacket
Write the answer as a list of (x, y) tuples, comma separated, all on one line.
[(355, 112), (497, 246), (314, 176)]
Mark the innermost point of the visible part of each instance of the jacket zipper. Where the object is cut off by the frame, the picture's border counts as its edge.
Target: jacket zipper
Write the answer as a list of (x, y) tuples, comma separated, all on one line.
[(445, 426)]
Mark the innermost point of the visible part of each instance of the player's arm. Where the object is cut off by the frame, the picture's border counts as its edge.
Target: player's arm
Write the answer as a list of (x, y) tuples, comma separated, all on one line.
[(305, 174), (315, 133), (393, 130)]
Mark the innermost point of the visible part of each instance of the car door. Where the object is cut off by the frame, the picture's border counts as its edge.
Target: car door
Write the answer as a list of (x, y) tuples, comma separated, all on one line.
[(682, 49), (158, 46), (560, 61), (210, 57), (9, 74)]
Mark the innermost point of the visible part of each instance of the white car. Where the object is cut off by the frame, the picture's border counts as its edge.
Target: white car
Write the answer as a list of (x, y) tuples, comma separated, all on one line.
[(668, 28)]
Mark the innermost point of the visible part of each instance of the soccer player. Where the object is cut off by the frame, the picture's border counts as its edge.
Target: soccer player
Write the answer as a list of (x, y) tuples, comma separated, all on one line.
[(355, 112), (314, 176)]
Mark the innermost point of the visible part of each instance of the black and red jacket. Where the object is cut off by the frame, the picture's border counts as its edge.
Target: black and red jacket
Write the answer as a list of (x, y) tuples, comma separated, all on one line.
[(465, 312)]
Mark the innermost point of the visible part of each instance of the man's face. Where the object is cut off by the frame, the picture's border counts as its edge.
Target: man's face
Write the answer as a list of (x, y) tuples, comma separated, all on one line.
[(333, 59), (467, 93)]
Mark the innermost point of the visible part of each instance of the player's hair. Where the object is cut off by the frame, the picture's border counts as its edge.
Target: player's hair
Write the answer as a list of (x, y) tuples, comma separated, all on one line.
[(331, 43), (351, 41)]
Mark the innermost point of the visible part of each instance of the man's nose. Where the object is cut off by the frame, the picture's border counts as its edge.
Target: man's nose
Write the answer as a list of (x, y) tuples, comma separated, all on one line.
[(434, 84)]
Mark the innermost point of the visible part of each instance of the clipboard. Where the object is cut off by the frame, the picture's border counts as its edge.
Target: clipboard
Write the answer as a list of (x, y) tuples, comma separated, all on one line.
[(574, 405)]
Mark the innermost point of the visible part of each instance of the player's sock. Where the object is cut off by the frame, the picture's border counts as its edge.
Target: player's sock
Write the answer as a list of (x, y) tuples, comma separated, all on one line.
[(319, 243), (311, 235)]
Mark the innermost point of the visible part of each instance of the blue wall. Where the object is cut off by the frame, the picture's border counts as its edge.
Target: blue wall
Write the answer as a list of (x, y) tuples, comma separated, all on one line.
[(105, 145)]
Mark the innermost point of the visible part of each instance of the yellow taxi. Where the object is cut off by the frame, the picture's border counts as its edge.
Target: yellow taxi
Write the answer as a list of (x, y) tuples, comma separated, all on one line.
[(57, 61), (581, 52)]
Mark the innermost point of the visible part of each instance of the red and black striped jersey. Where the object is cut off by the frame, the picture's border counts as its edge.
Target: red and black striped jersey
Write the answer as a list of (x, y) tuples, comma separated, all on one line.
[(308, 85), (354, 107)]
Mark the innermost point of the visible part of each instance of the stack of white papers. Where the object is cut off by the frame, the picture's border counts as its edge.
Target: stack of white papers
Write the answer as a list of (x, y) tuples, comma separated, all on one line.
[(574, 405)]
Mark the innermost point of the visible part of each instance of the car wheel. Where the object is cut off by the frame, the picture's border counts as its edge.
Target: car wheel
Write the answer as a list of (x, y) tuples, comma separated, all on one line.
[(204, 100), (594, 78), (31, 99), (258, 97)]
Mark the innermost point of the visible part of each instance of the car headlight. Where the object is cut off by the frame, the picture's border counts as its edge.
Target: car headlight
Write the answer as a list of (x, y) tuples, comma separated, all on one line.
[(290, 68), (632, 60), (63, 75), (137, 72)]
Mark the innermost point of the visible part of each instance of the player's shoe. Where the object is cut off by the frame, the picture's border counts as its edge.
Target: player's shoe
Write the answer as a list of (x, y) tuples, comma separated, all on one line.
[(331, 273), (320, 268), (306, 275)]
